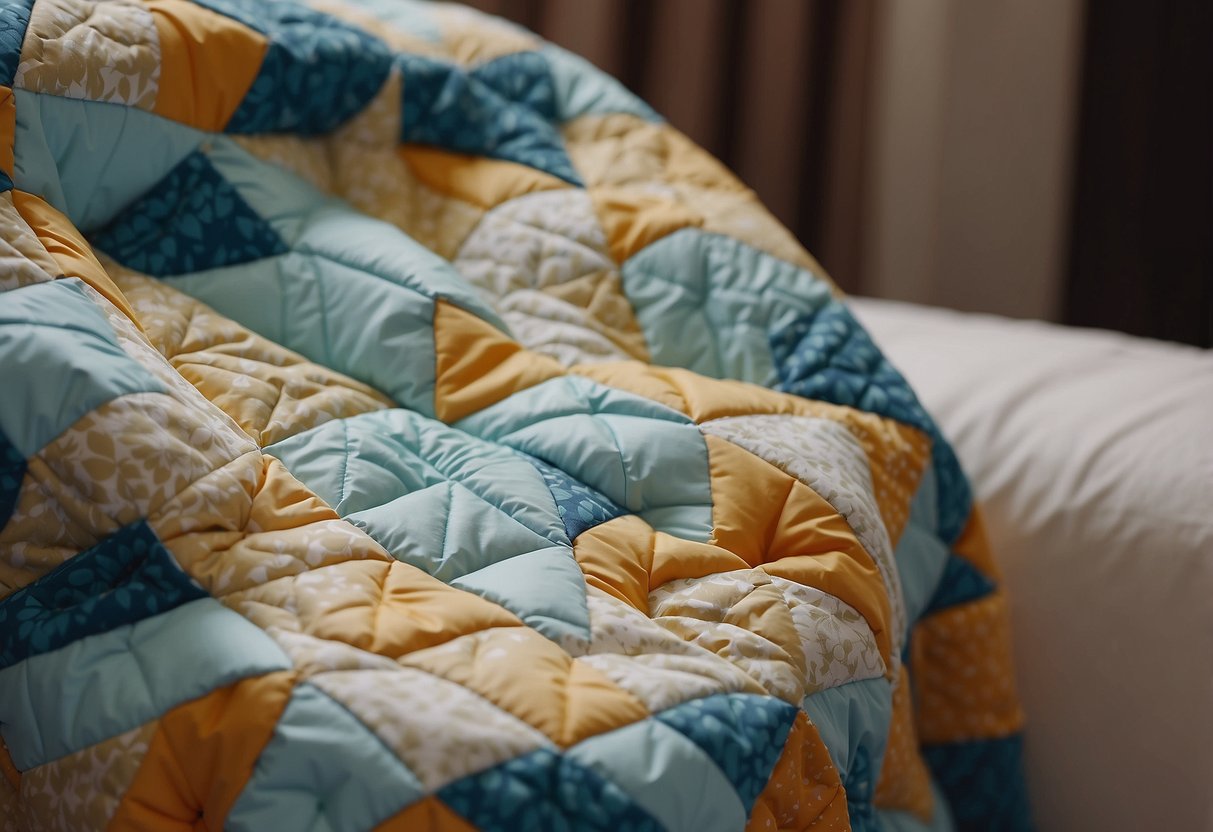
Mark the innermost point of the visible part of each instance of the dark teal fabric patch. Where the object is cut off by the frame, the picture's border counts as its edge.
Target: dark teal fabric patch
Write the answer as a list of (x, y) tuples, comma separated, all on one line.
[(14, 20), (125, 578), (502, 109), (580, 506), (829, 356), (984, 784), (12, 472), (542, 791), (191, 220), (961, 582), (317, 72), (744, 734)]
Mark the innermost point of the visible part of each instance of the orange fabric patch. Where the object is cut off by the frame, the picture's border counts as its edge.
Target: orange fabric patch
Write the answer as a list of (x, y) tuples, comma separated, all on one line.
[(804, 790), (963, 673), (426, 815), (974, 546), (476, 179), (675, 558), (905, 783), (68, 247), (478, 365), (8, 129), (617, 557), (202, 755), (566, 699), (208, 63), (773, 520), (11, 775), (632, 219)]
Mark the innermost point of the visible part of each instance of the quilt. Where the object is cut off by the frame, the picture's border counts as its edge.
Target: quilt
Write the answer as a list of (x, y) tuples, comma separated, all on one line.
[(403, 427)]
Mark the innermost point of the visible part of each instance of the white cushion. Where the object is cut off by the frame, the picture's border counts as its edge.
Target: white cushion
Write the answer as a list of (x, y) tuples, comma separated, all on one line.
[(1092, 453)]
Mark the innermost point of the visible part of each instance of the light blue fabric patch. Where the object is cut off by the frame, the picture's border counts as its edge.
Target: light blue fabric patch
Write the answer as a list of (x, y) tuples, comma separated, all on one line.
[(409, 16), (367, 461), (61, 361), (666, 774), (546, 589), (97, 687), (941, 820), (920, 554), (91, 159), (645, 457), (322, 770), (336, 315), (708, 303), (853, 721), (584, 89), (472, 514)]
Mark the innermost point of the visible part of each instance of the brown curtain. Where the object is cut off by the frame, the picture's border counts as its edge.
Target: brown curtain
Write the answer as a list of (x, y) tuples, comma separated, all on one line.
[(777, 89)]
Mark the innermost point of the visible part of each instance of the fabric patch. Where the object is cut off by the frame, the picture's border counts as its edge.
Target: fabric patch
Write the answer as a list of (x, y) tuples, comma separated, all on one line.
[(125, 578), (14, 19), (984, 783), (192, 220), (545, 790), (961, 582), (291, 788), (318, 71), (502, 109), (743, 734), (580, 506), (96, 51), (62, 361), (827, 355), (12, 472)]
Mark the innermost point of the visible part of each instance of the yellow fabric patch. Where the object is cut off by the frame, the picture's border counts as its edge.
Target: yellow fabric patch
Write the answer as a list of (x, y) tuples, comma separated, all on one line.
[(381, 606), (974, 545), (478, 365), (964, 678), (775, 521), (621, 149), (71, 252), (208, 63), (617, 557), (566, 699), (478, 180), (905, 783), (804, 790), (8, 129), (251, 522), (269, 391), (202, 756), (426, 815), (632, 219), (470, 37)]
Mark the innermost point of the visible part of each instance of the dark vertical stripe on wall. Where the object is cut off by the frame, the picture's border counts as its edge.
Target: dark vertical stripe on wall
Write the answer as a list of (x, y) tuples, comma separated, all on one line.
[(1141, 256)]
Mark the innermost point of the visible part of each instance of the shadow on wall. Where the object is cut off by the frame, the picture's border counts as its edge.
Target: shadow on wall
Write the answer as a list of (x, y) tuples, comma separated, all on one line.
[(928, 151)]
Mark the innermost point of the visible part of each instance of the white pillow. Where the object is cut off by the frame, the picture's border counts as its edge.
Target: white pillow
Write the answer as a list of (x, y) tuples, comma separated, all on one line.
[(1092, 453)]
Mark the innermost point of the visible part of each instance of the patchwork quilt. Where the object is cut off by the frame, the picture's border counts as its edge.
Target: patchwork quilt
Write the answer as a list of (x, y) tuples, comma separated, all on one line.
[(402, 427)]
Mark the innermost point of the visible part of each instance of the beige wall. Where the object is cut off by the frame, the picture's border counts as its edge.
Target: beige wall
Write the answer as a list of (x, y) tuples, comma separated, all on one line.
[(967, 192)]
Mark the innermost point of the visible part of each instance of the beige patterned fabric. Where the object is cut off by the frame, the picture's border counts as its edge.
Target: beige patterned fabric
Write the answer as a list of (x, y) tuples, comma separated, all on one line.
[(97, 51)]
